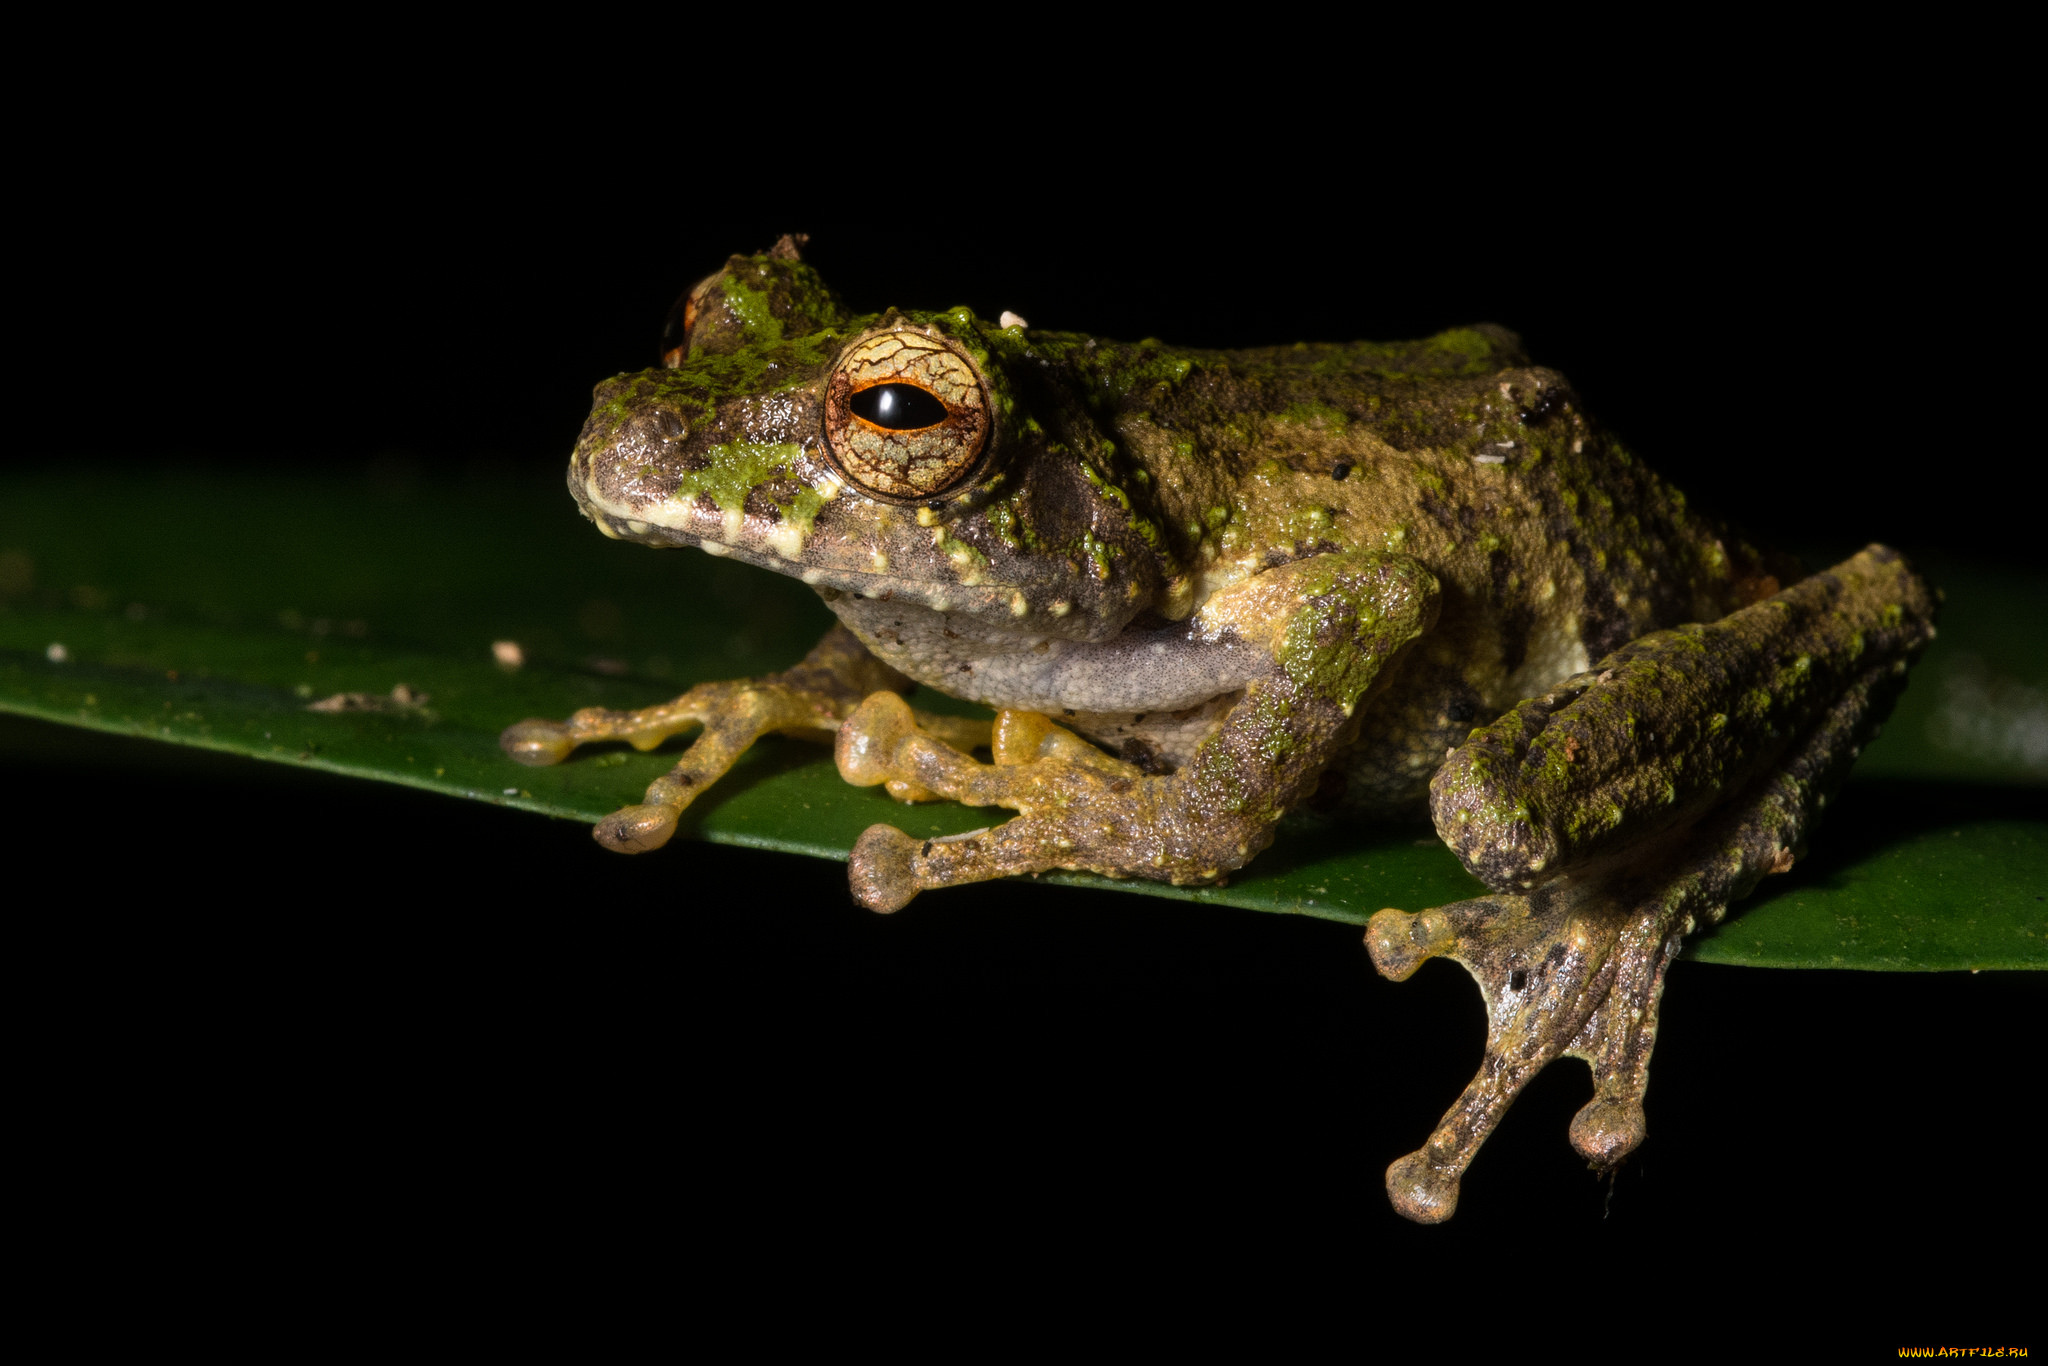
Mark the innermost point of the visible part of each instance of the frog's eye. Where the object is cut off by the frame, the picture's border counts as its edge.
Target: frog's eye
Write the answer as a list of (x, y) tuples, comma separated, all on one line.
[(905, 416), (682, 316), (897, 407)]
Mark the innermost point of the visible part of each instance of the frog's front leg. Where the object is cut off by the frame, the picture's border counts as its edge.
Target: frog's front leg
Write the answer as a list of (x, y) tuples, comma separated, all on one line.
[(808, 701), (1321, 632), (1622, 810)]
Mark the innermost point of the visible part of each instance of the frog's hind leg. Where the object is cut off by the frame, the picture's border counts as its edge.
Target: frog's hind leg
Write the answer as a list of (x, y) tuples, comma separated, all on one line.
[(1576, 967), (807, 701)]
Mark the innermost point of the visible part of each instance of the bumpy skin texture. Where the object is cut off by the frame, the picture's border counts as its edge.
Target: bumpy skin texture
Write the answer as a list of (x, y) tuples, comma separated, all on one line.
[(1693, 764), (1200, 586)]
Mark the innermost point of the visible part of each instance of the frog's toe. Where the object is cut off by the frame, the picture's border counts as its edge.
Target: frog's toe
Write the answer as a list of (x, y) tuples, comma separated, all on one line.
[(1545, 967), (1421, 1190), (1608, 1129), (536, 742), (882, 870), (867, 744), (636, 829), (1617, 1041), (888, 867), (1400, 943), (1573, 972)]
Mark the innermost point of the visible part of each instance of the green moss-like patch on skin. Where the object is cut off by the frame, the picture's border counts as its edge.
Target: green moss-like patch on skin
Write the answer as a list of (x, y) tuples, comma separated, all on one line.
[(967, 561), (1104, 487), (1098, 553), (738, 468), (1673, 722), (751, 307), (758, 301), (1353, 619), (694, 390), (1003, 521), (1320, 416)]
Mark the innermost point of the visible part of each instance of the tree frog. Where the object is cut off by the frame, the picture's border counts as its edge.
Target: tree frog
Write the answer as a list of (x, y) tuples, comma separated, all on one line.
[(1202, 588)]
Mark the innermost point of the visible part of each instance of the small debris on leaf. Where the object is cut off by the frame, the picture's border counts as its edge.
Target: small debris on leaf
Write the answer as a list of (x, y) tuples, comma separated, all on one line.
[(402, 699)]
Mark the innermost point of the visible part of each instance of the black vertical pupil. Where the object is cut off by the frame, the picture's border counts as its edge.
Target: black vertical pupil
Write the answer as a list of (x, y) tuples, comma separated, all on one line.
[(898, 407)]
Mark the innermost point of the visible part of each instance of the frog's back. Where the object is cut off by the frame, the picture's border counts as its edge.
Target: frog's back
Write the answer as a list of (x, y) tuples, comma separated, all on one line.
[(1552, 542)]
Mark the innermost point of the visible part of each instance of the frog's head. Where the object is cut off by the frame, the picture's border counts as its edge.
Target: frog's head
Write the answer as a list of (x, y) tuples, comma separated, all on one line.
[(915, 456)]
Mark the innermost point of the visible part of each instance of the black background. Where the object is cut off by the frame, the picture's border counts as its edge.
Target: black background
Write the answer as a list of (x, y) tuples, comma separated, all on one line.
[(461, 1059)]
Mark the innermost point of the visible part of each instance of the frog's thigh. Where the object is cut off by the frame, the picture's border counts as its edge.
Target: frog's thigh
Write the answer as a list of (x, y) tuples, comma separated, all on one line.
[(1330, 623), (1576, 967), (807, 700), (1674, 724)]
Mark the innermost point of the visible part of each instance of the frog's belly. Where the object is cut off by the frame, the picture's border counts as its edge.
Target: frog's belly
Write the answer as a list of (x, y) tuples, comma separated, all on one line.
[(1153, 696), (1163, 670)]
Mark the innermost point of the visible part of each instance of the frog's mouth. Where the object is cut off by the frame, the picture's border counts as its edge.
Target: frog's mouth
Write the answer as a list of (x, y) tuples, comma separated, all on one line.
[(928, 579)]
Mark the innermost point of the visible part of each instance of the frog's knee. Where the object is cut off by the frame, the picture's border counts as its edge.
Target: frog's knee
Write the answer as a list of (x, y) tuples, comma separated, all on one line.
[(880, 871), (536, 743)]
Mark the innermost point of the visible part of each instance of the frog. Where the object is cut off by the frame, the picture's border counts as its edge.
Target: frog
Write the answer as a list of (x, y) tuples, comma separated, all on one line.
[(1202, 589)]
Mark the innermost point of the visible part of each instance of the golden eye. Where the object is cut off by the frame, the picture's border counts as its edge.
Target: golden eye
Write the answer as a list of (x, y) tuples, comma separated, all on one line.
[(905, 416)]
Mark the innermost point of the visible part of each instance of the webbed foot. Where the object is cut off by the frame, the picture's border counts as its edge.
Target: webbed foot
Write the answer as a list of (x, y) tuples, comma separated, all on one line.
[(1620, 811), (1564, 973), (807, 701), (1078, 807)]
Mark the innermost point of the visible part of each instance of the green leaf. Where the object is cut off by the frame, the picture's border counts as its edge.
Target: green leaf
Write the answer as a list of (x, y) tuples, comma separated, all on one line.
[(219, 612)]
